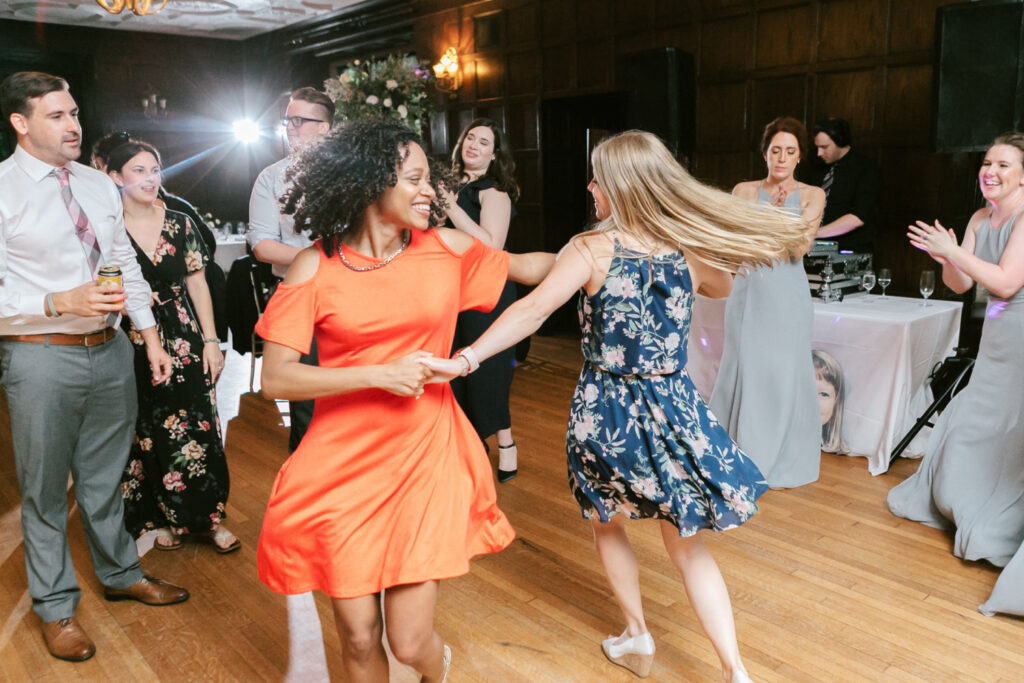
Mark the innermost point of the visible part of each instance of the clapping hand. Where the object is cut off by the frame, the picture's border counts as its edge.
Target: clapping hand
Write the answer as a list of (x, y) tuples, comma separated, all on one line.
[(444, 369), (938, 241), (779, 197), (448, 196)]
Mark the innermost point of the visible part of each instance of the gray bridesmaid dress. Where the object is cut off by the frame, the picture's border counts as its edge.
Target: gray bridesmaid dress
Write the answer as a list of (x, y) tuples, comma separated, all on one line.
[(972, 473), (765, 394)]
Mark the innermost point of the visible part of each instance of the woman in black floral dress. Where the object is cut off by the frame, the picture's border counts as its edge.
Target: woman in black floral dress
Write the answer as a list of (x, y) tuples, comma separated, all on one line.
[(176, 480)]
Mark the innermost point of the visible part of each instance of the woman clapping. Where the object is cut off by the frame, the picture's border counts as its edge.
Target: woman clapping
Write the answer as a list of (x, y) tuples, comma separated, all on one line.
[(765, 393), (972, 474)]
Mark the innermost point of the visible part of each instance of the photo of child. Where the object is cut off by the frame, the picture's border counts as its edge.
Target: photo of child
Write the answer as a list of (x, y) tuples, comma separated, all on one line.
[(829, 376)]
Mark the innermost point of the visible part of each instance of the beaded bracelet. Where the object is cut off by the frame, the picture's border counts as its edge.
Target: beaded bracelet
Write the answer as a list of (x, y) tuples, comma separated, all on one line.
[(211, 340)]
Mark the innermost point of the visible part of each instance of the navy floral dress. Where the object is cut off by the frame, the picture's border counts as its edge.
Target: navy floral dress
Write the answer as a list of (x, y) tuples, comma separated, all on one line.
[(177, 474), (641, 440)]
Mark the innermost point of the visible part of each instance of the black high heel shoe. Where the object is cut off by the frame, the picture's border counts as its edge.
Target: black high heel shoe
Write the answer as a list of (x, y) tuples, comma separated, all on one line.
[(505, 475)]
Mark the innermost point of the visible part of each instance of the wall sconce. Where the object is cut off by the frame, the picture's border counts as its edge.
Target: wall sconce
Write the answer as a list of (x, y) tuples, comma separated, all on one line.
[(154, 106), (446, 72)]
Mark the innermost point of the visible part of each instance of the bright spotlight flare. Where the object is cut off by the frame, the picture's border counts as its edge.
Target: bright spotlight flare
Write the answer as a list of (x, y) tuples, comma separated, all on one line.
[(246, 131)]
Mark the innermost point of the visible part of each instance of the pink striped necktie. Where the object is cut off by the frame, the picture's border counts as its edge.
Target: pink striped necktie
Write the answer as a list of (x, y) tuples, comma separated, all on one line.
[(83, 229), (82, 226)]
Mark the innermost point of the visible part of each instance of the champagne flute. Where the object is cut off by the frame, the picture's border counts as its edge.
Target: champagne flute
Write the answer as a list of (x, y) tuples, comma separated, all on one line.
[(867, 281), (927, 285), (884, 279)]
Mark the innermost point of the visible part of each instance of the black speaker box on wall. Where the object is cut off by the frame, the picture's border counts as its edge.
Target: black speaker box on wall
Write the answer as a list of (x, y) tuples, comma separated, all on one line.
[(979, 83), (661, 96)]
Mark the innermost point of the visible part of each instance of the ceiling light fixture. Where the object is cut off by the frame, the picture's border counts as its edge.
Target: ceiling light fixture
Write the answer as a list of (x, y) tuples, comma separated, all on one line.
[(139, 7)]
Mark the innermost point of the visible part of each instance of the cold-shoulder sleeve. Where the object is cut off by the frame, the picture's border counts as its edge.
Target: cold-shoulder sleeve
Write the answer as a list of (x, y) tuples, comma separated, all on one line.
[(290, 316), (484, 273)]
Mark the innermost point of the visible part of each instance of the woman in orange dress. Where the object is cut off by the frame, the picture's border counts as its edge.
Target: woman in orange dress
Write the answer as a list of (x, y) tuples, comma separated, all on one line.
[(390, 490)]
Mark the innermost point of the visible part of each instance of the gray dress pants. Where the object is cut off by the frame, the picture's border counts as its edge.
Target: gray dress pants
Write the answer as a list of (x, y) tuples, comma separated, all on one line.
[(72, 411)]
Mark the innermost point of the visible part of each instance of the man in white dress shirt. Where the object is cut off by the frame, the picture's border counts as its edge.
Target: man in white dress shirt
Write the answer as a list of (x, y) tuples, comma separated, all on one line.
[(64, 365), (272, 235)]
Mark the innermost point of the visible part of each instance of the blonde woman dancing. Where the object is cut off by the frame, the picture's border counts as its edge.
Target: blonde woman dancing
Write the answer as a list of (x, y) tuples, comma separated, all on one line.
[(641, 441)]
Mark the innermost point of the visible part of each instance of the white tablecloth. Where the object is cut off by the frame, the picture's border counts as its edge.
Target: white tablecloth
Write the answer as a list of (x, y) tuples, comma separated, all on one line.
[(228, 250), (887, 347)]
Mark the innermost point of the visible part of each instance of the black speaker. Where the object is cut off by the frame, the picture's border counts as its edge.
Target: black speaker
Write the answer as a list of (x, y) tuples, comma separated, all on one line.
[(661, 96), (979, 84)]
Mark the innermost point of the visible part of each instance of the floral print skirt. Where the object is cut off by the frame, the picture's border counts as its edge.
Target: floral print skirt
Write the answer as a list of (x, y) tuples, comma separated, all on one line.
[(649, 447), (177, 473)]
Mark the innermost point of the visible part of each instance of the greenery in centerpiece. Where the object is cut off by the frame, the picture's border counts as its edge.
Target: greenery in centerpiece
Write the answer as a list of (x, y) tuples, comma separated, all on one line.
[(395, 87)]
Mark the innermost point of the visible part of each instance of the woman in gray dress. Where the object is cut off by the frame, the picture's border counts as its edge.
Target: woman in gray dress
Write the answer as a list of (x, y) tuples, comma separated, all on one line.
[(765, 394), (972, 474)]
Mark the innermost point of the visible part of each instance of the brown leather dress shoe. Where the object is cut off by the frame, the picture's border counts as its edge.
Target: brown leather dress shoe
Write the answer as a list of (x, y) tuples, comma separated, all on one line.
[(66, 640), (148, 590)]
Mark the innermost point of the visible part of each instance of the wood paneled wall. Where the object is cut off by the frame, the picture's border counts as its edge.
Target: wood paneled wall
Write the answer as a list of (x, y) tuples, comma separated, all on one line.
[(868, 61), (109, 72)]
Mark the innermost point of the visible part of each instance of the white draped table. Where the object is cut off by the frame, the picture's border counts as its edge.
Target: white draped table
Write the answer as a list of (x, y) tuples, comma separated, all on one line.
[(886, 346), (229, 249)]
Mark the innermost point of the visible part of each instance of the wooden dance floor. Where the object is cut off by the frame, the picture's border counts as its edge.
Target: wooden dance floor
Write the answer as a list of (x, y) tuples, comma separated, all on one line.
[(826, 584)]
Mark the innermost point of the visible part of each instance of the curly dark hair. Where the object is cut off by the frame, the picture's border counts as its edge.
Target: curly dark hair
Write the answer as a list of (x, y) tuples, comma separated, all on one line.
[(785, 124), (502, 170), (334, 181)]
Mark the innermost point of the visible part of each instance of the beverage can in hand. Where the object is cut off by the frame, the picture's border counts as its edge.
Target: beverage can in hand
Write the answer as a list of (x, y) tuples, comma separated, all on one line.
[(109, 275)]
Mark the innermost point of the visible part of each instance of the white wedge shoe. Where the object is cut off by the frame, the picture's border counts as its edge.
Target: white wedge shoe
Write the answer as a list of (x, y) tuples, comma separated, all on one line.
[(446, 661), (635, 654)]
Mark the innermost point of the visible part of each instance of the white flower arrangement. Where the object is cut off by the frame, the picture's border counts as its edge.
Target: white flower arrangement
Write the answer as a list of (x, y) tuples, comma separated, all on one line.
[(395, 87)]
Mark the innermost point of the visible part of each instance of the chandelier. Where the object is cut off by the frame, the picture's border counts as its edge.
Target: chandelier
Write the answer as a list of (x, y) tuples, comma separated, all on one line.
[(139, 7)]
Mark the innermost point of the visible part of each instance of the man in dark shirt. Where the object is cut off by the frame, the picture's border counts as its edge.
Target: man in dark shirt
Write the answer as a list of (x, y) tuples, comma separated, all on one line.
[(853, 187)]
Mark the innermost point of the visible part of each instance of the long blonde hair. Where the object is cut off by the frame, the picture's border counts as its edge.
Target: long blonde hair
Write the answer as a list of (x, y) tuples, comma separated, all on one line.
[(652, 196)]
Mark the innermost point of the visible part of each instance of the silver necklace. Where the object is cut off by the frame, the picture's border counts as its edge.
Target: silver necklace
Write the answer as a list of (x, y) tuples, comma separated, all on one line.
[(381, 264)]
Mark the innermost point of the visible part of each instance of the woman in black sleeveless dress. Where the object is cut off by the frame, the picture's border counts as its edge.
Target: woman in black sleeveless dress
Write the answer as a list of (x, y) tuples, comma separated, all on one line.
[(483, 206)]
